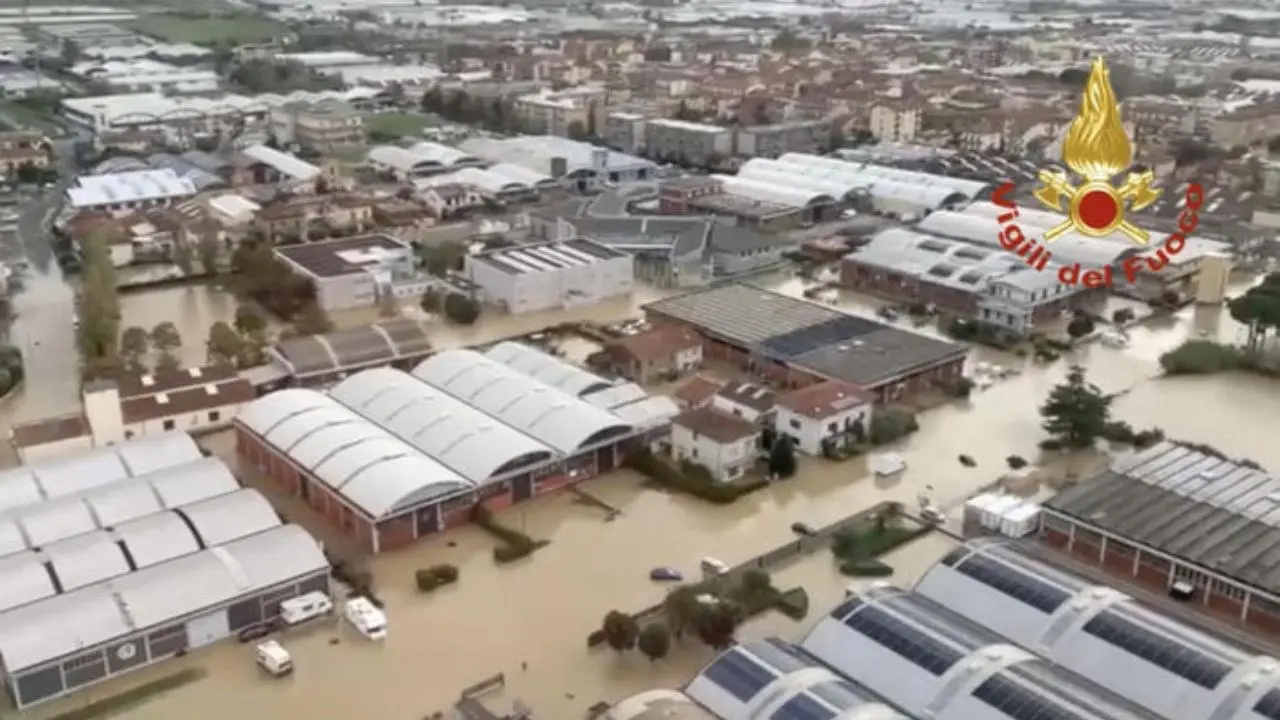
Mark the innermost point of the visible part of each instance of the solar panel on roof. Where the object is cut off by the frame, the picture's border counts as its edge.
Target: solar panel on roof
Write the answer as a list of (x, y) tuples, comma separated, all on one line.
[(1019, 702), (906, 641), (1167, 654), (1269, 705), (1040, 595), (840, 694), (826, 333), (802, 707), (739, 675), (843, 609)]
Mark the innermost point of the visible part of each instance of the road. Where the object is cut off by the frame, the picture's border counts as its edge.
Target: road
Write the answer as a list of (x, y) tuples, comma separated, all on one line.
[(44, 306)]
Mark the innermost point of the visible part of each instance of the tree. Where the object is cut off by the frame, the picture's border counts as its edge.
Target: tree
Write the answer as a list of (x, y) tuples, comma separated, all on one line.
[(1080, 326), (576, 130), (654, 641), (681, 605), (443, 258), (620, 630), (28, 174), (461, 309), (1258, 309), (224, 346), (248, 321), (782, 458), (135, 343), (165, 337), (431, 301), (167, 363), (1076, 412), (717, 622), (208, 250), (756, 583), (312, 320), (184, 257)]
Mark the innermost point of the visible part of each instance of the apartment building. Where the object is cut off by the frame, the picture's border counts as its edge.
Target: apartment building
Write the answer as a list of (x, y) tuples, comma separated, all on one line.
[(323, 127), (22, 147), (894, 122), (801, 136), (1247, 126), (687, 142), (555, 112), (625, 131)]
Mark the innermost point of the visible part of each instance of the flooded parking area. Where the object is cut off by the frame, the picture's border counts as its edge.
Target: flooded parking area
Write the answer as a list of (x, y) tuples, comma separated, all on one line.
[(530, 620)]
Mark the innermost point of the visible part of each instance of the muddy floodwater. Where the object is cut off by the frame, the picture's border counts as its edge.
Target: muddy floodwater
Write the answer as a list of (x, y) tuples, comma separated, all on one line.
[(539, 612)]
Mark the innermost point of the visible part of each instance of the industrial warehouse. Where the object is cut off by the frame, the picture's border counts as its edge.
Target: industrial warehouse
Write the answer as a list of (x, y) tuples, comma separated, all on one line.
[(796, 343), (989, 633), (390, 456), (131, 554), (1182, 521)]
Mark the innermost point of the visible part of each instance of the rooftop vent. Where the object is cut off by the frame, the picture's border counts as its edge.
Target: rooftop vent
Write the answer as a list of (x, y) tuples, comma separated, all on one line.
[(211, 389), (148, 381), (195, 372), (162, 399)]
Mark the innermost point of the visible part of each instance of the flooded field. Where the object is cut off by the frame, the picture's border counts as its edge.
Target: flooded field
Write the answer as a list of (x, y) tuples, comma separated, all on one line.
[(539, 612)]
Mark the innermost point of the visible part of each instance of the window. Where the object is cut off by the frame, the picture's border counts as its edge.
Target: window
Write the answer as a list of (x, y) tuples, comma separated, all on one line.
[(214, 416), (739, 675), (1163, 652), (833, 428), (168, 425), (803, 707), (1018, 585), (1020, 702), (906, 641), (128, 434), (795, 424)]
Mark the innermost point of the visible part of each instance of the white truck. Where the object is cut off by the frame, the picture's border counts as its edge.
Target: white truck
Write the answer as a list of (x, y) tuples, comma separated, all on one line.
[(272, 657), (366, 618), (300, 609)]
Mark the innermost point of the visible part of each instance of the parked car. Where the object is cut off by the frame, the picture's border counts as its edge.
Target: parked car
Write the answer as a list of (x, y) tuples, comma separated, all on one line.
[(800, 528), (665, 574)]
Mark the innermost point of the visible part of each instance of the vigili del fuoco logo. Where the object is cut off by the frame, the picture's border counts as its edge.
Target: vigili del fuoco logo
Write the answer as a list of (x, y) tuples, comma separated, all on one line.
[(1096, 149)]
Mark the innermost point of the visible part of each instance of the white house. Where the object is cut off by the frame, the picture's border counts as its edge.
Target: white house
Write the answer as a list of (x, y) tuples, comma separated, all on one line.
[(829, 409), (194, 400), (724, 444), (746, 400)]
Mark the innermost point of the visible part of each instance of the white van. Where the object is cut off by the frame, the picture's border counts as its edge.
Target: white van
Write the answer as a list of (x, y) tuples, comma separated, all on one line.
[(272, 657), (713, 568), (367, 618), (305, 607)]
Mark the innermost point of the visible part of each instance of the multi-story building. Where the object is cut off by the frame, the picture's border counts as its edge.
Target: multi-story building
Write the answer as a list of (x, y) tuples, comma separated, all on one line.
[(562, 112), (687, 142), (1247, 126), (894, 122), (802, 136), (22, 148), (323, 126), (356, 272), (146, 75), (625, 131)]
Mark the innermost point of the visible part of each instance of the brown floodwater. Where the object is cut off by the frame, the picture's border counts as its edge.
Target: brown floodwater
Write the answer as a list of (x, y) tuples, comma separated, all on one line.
[(539, 612)]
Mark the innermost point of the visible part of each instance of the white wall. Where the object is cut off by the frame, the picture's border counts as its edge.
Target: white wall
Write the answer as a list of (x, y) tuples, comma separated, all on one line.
[(347, 292), (554, 289), (200, 421), (808, 433), (724, 404), (726, 462), (71, 446)]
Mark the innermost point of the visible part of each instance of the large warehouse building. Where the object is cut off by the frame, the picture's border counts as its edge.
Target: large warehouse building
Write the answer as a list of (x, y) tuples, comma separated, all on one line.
[(555, 275), (113, 575), (796, 343), (992, 633), (390, 456), (1171, 513)]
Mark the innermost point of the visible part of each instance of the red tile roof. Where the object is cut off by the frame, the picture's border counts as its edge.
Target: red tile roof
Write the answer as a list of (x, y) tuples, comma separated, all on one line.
[(697, 391), (721, 427), (658, 343), (824, 399)]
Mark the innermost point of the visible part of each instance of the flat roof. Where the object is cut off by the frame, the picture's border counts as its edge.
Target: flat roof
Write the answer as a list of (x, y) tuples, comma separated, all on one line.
[(379, 343), (546, 256), (1213, 512), (807, 335), (340, 256)]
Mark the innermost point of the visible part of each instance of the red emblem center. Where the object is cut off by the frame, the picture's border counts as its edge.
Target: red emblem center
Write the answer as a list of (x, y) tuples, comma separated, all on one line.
[(1098, 209)]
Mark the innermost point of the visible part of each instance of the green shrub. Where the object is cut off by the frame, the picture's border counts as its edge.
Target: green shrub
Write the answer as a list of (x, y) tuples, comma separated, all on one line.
[(961, 388), (510, 553), (892, 424), (1015, 462), (1201, 357), (865, 568), (793, 603), (436, 576), (515, 544)]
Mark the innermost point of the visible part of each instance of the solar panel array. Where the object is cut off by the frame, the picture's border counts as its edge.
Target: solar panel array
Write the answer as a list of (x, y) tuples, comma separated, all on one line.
[(903, 639), (1166, 653), (1020, 702), (1023, 587)]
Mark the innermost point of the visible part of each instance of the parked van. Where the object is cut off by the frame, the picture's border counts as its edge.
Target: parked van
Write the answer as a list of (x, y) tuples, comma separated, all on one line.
[(305, 607), (712, 567), (272, 657), (365, 617)]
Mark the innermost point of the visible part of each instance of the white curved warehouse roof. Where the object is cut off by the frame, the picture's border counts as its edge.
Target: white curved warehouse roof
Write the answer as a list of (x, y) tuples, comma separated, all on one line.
[(774, 679), (866, 171), (38, 525), (93, 557), (441, 154), (932, 663), (1099, 633), (60, 477), (558, 419), (398, 158), (771, 192), (376, 471), (521, 174), (62, 625), (767, 170), (544, 367), (1068, 248), (658, 705), (440, 425)]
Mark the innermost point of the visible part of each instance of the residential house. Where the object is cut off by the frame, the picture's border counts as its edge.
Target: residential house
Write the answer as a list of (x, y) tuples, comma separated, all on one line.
[(751, 402), (724, 444), (688, 143), (451, 199), (315, 216), (894, 121), (657, 354), (801, 136), (696, 393), (23, 147), (136, 141), (324, 127), (404, 219), (819, 415)]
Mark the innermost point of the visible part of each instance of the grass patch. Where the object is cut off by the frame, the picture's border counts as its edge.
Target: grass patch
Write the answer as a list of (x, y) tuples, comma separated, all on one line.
[(856, 548), (27, 117), (235, 29), (133, 697), (397, 124), (793, 603)]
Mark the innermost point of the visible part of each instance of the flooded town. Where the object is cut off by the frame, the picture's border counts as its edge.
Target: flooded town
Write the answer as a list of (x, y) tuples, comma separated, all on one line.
[(700, 362)]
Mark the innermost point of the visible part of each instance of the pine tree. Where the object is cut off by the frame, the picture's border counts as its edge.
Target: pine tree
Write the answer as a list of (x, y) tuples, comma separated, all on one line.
[(1076, 412)]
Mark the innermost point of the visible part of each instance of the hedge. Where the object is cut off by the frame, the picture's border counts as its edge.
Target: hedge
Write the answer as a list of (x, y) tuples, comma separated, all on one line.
[(436, 576), (690, 478), (515, 544)]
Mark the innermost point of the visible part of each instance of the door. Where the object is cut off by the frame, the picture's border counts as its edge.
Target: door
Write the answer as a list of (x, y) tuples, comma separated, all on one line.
[(208, 629)]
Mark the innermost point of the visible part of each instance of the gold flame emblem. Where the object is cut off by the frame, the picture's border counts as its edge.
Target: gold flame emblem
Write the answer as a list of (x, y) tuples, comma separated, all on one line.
[(1097, 149)]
